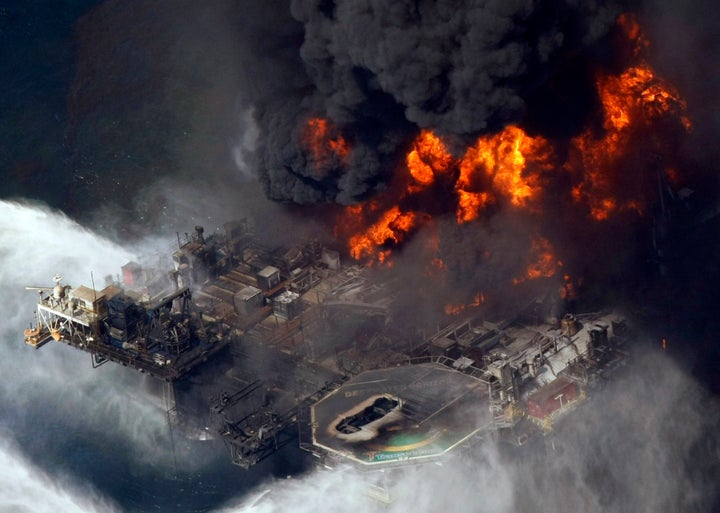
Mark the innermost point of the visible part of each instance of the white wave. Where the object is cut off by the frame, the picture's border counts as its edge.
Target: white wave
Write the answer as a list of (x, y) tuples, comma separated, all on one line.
[(35, 244), (25, 488)]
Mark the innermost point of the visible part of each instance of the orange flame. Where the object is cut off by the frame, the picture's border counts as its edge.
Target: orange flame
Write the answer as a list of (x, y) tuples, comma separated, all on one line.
[(633, 33), (451, 309), (390, 228), (569, 287), (511, 167), (427, 157), (544, 262), (470, 204), (631, 101), (497, 162), (456, 309), (324, 146), (504, 158)]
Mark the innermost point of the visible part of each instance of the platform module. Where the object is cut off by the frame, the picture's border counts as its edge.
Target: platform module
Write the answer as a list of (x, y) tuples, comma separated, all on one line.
[(245, 338), (162, 336)]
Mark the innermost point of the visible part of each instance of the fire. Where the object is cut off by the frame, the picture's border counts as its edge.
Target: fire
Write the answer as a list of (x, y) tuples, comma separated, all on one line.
[(600, 171), (325, 147), (632, 102), (389, 229), (456, 309), (636, 94), (544, 264), (502, 161), (503, 165), (504, 158), (633, 33), (372, 227), (427, 157), (569, 288), (470, 204)]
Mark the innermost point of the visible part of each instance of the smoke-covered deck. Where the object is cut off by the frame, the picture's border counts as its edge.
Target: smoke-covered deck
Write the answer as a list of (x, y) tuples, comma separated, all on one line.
[(434, 409)]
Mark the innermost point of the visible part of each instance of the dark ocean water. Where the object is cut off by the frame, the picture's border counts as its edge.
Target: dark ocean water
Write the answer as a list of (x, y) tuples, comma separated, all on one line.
[(37, 63), (73, 438), (70, 435)]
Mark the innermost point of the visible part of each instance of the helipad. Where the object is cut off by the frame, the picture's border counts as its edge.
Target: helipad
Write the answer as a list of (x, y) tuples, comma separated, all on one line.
[(402, 413)]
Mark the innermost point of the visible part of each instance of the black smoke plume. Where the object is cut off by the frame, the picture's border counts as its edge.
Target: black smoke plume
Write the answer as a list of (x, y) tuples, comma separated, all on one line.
[(380, 71)]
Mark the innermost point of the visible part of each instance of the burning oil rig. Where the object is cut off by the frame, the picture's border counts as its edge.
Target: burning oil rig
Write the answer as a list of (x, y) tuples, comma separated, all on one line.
[(283, 344)]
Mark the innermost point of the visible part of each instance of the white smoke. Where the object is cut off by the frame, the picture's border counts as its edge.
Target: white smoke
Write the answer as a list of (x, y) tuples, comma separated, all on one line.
[(24, 488), (37, 243), (245, 144), (456, 484), (645, 442), (56, 385)]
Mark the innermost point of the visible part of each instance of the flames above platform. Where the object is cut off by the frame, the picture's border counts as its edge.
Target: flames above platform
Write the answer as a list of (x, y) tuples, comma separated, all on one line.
[(602, 171), (547, 170)]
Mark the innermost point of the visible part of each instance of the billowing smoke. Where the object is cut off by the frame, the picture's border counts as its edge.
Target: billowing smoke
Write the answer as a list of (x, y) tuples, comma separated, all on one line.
[(551, 130), (158, 123), (59, 412), (38, 244), (381, 70), (646, 442)]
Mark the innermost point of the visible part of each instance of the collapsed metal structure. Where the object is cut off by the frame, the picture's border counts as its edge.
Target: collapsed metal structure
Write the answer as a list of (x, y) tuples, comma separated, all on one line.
[(249, 335)]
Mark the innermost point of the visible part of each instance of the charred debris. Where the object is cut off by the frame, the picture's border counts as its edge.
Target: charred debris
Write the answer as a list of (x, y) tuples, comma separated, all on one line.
[(282, 345)]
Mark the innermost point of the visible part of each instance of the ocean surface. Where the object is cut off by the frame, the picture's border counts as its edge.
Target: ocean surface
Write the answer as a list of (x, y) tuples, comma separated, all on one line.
[(73, 438), (78, 439)]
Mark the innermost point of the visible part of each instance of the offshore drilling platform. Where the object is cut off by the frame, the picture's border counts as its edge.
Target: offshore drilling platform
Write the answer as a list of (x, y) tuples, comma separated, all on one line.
[(249, 337)]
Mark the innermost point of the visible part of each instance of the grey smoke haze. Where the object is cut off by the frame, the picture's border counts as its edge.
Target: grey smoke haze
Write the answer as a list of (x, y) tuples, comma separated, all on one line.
[(248, 53), (165, 128), (75, 438), (53, 402), (37, 244), (646, 442), (685, 40)]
